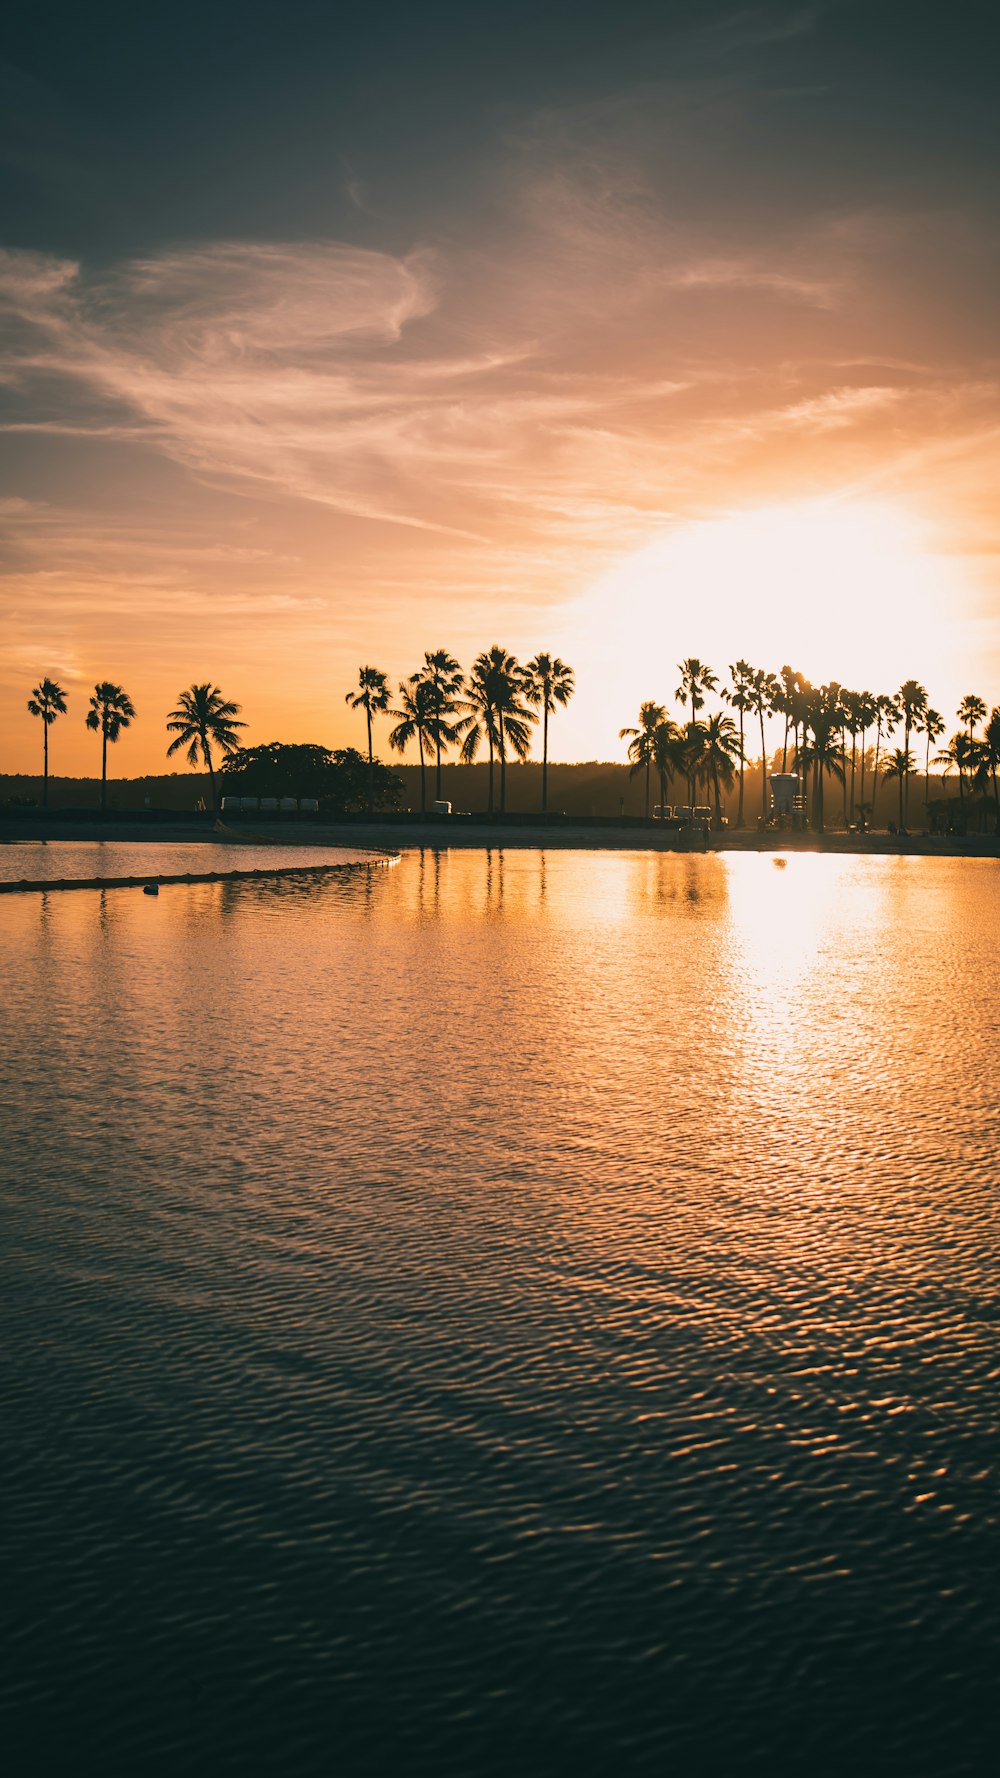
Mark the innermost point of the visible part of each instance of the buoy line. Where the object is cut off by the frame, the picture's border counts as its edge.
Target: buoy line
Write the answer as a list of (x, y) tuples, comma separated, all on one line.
[(23, 885)]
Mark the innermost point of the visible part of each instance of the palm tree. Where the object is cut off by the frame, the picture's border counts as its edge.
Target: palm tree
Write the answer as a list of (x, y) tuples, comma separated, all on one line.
[(933, 729), (867, 711), (493, 699), (722, 752), (642, 741), (696, 680), (203, 719), (886, 719), (821, 745), (900, 765), (765, 696), (418, 717), (547, 682), (372, 697), (443, 675), (740, 696), (970, 711), (991, 752), (912, 701), (111, 710), (668, 741), (48, 700)]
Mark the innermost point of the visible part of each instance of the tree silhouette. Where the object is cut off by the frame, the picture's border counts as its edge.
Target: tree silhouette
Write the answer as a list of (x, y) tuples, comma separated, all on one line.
[(48, 700), (668, 741), (372, 697), (203, 719), (418, 718), (721, 754), (765, 696), (971, 711), (642, 742), (547, 682), (932, 725), (899, 765), (442, 675), (111, 711), (911, 699), (821, 746), (494, 691), (740, 696)]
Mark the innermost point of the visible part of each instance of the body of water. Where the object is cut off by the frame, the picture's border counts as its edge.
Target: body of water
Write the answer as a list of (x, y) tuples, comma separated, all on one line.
[(34, 860), (514, 1312)]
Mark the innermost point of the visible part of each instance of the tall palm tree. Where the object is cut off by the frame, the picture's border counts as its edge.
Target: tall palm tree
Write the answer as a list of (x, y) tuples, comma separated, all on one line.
[(372, 696), (111, 711), (203, 719), (722, 753), (642, 742), (417, 718), (886, 720), (442, 674), (991, 752), (696, 680), (821, 746), (899, 765), (970, 711), (668, 740), (547, 682), (739, 694), (912, 700), (865, 719), (494, 692), (932, 724), (48, 700), (765, 696)]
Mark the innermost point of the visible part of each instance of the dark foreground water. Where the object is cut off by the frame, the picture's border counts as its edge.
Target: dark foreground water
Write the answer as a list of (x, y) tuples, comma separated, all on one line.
[(504, 1314)]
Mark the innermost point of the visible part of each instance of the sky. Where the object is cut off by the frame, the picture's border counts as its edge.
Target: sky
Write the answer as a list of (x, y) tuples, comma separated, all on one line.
[(332, 334)]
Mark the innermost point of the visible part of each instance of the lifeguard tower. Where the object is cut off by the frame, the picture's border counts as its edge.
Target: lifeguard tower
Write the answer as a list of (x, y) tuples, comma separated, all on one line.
[(788, 803)]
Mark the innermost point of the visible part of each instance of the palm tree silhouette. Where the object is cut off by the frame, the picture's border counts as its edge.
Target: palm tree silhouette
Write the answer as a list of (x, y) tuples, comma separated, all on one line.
[(991, 754), (203, 719), (493, 694), (911, 699), (111, 711), (547, 682), (933, 728), (721, 755), (668, 741), (642, 742), (48, 700), (821, 743), (372, 697), (886, 720), (696, 680), (442, 674), (739, 696), (866, 716), (418, 717), (765, 696), (970, 711), (899, 765)]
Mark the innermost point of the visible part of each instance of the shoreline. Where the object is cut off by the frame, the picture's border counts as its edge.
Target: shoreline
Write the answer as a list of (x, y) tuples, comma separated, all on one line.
[(442, 834)]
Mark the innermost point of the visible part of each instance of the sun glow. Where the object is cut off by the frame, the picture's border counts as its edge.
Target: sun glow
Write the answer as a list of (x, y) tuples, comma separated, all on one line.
[(839, 590)]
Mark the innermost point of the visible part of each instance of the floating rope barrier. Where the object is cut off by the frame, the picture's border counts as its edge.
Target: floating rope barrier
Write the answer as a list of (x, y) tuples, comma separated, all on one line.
[(23, 885)]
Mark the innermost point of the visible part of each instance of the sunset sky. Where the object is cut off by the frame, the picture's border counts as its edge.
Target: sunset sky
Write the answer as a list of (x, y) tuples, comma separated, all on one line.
[(335, 333)]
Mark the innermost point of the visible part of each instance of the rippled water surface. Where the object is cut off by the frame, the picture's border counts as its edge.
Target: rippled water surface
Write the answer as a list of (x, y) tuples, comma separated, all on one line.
[(510, 1313), (35, 860)]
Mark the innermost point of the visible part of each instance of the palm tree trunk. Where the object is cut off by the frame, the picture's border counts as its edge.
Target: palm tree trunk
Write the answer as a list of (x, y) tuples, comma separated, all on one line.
[(104, 768), (545, 756), (45, 773), (739, 812), (878, 743), (906, 774), (437, 743), (489, 806), (763, 769), (207, 751), (503, 769), (371, 763), (862, 798), (902, 781), (646, 810), (423, 773)]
